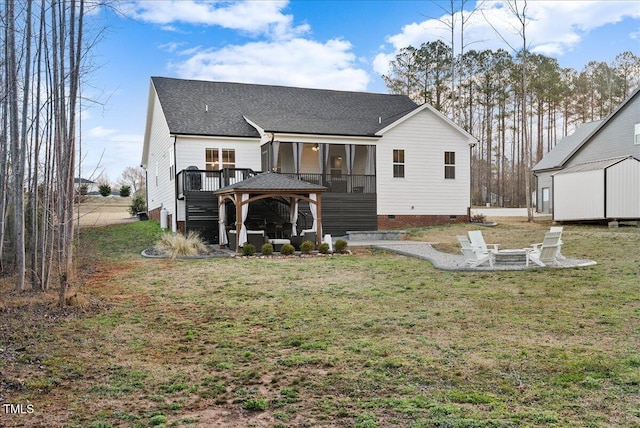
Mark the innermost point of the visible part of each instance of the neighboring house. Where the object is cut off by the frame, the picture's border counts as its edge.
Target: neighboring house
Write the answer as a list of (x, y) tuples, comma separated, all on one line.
[(594, 149), (90, 185), (385, 162)]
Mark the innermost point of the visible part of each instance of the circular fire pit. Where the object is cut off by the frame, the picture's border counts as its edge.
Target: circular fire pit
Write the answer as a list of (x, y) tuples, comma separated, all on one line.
[(511, 257)]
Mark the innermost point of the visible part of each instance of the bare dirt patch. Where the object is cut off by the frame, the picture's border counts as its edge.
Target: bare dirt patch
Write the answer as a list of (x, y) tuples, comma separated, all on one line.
[(100, 211)]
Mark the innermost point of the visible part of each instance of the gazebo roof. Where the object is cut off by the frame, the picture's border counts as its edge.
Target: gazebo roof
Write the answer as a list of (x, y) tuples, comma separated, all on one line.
[(270, 182)]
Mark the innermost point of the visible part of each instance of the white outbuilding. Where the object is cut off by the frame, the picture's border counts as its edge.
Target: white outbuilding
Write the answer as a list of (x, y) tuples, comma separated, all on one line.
[(601, 190)]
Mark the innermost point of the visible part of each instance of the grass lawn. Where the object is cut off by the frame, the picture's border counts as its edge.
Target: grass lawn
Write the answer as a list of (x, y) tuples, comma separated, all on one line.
[(369, 340)]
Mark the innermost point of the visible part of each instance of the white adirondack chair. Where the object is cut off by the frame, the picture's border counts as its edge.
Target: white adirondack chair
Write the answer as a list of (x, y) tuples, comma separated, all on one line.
[(558, 229), (477, 242), (472, 256), (546, 253)]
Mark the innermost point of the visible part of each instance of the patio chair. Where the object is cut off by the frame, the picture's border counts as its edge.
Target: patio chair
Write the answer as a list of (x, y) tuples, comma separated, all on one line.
[(270, 229), (286, 230), (558, 229), (472, 256), (546, 253), (477, 242)]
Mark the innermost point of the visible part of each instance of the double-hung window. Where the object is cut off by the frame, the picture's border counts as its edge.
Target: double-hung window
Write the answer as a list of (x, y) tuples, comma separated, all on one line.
[(636, 135), (450, 165), (216, 159), (398, 163)]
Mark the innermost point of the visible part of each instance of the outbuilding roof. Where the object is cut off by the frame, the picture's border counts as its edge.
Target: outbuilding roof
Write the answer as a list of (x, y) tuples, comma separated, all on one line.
[(194, 107), (594, 166)]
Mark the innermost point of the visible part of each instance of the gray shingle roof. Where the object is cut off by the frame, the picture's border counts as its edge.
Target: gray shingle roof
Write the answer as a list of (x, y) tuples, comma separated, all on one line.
[(273, 181), (566, 147), (217, 108)]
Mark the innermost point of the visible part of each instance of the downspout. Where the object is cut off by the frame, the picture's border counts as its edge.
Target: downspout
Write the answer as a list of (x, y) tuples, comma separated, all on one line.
[(471, 146), (175, 190), (146, 189)]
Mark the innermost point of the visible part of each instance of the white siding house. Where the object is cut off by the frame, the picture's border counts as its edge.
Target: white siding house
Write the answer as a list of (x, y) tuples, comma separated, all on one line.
[(385, 161), (424, 136)]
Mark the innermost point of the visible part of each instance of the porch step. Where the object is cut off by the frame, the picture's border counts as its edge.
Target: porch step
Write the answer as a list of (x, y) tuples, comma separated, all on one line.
[(376, 235)]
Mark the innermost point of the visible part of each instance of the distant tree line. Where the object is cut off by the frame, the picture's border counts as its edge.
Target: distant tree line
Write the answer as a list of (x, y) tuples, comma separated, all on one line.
[(40, 69), (482, 91)]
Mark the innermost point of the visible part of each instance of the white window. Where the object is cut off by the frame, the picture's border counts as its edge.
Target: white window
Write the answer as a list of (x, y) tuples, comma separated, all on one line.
[(216, 159), (450, 165), (398, 163), (636, 137)]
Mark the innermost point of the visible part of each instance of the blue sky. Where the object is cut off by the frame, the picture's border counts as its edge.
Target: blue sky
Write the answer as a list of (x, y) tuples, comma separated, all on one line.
[(308, 43)]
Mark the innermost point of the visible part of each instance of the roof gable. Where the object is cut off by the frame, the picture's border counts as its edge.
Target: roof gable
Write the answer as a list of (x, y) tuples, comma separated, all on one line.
[(566, 147), (433, 110), (219, 108)]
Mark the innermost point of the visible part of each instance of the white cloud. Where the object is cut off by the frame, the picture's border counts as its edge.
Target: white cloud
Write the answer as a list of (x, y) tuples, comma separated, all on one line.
[(553, 28), (253, 17), (109, 151), (297, 62)]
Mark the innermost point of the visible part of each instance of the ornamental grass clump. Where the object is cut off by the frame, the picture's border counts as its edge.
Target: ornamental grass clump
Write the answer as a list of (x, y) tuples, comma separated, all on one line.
[(179, 245)]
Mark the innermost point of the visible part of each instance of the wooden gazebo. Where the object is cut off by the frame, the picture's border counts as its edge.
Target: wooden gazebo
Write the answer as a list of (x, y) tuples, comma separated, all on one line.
[(268, 185)]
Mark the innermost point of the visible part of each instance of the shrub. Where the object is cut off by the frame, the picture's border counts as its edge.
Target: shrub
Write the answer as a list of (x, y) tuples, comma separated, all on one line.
[(138, 204), (157, 420), (257, 404), (177, 244), (248, 249), (287, 249), (125, 191), (341, 246), (306, 247), (267, 249), (478, 218), (104, 189), (323, 248)]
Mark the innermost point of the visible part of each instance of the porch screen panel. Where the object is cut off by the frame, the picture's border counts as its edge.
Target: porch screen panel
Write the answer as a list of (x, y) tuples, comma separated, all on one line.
[(370, 166)]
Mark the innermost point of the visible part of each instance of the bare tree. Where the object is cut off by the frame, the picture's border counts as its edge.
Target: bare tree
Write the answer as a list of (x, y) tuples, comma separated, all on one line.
[(134, 177)]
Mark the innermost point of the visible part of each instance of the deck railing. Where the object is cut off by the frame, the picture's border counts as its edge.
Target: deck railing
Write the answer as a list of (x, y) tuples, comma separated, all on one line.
[(194, 180), (342, 183), (197, 180)]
